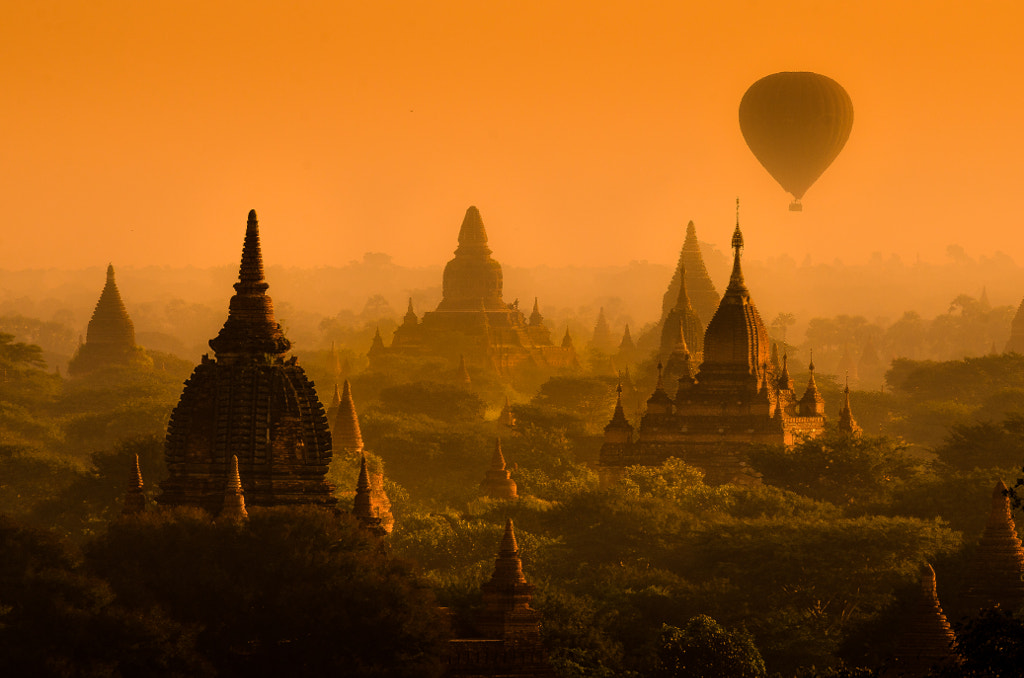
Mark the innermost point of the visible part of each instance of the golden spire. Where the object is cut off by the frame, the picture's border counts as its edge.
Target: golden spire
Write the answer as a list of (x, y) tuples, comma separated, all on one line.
[(346, 434), (135, 499)]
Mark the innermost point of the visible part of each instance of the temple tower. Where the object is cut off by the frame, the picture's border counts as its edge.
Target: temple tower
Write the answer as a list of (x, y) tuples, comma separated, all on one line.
[(347, 438), (847, 424), (691, 268), (507, 613), (996, 572), (1016, 342), (366, 510), (497, 482), (249, 401), (602, 339), (682, 317), (332, 410), (233, 507), (110, 337), (926, 640)]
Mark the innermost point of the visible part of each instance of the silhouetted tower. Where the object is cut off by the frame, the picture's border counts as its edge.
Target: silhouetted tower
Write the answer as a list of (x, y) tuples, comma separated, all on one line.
[(347, 437), (691, 267), (497, 482), (683, 317), (602, 339), (996, 572), (250, 401), (926, 639), (332, 410), (363, 509), (110, 337), (1016, 342), (812, 404), (462, 374), (507, 614), (847, 424)]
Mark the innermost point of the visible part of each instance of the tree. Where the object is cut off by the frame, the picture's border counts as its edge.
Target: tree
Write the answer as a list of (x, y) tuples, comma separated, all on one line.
[(58, 620), (990, 645), (703, 649), (444, 402), (837, 467), (293, 591)]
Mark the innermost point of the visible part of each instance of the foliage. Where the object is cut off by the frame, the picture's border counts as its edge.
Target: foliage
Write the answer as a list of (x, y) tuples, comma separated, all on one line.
[(838, 468), (298, 592), (703, 649), (984, 445), (58, 620), (444, 402), (990, 645)]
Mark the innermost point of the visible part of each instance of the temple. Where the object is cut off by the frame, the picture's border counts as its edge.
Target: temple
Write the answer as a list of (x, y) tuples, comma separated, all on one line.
[(474, 321), (373, 515), (110, 337), (497, 482), (926, 639), (700, 292), (508, 641), (1016, 342), (995, 575), (708, 415), (251, 401)]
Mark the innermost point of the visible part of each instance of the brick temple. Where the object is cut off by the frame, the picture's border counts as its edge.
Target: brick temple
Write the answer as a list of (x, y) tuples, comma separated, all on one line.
[(110, 337), (707, 415), (253, 401), (474, 322)]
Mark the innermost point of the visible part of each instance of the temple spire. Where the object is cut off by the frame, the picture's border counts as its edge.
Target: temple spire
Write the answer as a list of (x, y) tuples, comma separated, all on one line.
[(567, 339), (135, 499), (497, 482), (472, 234), (812, 403), (462, 374), (535, 317), (346, 435), (250, 328), (995, 575), (736, 283), (234, 499), (363, 506), (847, 423), (507, 614)]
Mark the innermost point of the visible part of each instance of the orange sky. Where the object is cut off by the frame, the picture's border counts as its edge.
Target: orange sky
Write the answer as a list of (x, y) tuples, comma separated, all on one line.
[(586, 132)]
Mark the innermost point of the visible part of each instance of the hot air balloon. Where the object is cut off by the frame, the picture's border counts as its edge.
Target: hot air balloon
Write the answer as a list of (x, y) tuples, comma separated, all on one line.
[(795, 124)]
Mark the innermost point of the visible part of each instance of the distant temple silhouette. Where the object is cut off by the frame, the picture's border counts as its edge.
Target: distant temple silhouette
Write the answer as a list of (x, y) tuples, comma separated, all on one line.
[(251, 401), (1016, 342), (474, 322), (110, 337), (734, 398)]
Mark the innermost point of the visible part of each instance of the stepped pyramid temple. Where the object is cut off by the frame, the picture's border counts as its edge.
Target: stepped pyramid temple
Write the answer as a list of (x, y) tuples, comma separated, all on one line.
[(1016, 342), (700, 294), (926, 640), (474, 321), (734, 399), (509, 645), (996, 572), (110, 337), (251, 401)]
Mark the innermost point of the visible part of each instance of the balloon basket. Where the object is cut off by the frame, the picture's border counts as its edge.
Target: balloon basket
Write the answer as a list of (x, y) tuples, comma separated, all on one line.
[(795, 206)]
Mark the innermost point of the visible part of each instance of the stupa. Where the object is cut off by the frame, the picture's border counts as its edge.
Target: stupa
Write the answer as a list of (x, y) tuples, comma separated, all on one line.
[(1016, 342), (473, 319), (110, 337), (733, 400), (253, 401)]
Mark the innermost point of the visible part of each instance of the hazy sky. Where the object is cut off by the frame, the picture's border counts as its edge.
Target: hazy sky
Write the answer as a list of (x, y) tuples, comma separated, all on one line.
[(586, 132)]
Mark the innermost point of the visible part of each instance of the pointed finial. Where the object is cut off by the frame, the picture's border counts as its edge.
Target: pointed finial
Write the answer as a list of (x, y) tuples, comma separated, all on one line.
[(234, 499), (737, 235), (509, 546), (498, 460), (345, 432), (363, 483), (811, 365), (110, 273), (659, 385), (136, 480), (135, 499)]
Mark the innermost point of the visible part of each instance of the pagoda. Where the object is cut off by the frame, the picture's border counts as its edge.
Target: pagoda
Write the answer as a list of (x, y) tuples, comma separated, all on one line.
[(473, 319), (996, 572), (733, 400), (110, 337), (497, 482), (682, 318), (1016, 342), (251, 401), (926, 639)]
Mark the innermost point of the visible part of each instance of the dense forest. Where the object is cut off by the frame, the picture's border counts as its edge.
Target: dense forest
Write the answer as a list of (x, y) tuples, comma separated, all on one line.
[(805, 574)]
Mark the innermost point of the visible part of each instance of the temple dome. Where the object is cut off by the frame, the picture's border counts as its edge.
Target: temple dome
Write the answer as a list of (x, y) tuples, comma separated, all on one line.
[(252, 403), (472, 277), (736, 340)]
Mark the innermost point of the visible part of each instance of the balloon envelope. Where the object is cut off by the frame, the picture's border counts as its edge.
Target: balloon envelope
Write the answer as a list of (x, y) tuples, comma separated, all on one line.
[(795, 124)]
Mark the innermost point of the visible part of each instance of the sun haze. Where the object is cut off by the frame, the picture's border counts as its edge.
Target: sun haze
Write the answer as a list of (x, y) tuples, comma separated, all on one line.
[(586, 133)]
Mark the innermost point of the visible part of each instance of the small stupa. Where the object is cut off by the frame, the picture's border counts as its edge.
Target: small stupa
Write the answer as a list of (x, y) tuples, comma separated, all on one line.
[(497, 482), (110, 337)]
